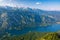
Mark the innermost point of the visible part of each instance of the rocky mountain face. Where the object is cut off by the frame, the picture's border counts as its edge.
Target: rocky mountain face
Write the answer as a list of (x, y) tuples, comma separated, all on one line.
[(12, 18), (23, 17)]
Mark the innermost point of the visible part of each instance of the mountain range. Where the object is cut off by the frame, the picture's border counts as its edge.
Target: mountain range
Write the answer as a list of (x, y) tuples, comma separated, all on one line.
[(13, 18)]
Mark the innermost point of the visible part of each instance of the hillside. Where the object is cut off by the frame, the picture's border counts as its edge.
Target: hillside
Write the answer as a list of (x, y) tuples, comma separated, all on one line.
[(23, 17), (34, 36), (17, 21)]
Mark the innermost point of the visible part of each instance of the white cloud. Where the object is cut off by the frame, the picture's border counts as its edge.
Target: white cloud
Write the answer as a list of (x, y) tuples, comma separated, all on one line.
[(7, 4), (38, 3), (1, 0)]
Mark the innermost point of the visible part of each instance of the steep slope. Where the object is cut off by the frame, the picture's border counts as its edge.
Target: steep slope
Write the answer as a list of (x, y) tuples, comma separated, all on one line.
[(14, 17), (34, 36)]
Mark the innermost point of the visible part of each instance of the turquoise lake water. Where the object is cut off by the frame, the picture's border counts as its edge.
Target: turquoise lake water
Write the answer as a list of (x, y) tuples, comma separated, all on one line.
[(51, 28)]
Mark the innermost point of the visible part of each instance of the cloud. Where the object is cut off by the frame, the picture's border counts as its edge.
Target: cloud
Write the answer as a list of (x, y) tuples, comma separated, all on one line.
[(6, 2), (1, 0), (10, 3), (38, 3)]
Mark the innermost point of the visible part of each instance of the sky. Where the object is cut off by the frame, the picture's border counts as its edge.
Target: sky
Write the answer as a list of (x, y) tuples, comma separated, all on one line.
[(40, 4)]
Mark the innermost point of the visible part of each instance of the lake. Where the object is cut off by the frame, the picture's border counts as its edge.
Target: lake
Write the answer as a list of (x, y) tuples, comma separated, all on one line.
[(51, 28)]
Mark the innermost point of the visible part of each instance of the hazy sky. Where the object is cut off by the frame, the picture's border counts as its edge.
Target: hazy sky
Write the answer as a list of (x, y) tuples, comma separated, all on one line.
[(41, 4)]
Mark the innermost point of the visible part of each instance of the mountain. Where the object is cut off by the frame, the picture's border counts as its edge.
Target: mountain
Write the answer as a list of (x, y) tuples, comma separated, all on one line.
[(23, 17), (13, 19)]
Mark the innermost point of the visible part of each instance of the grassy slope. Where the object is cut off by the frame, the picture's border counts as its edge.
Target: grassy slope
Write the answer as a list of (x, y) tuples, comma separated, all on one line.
[(33, 36)]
